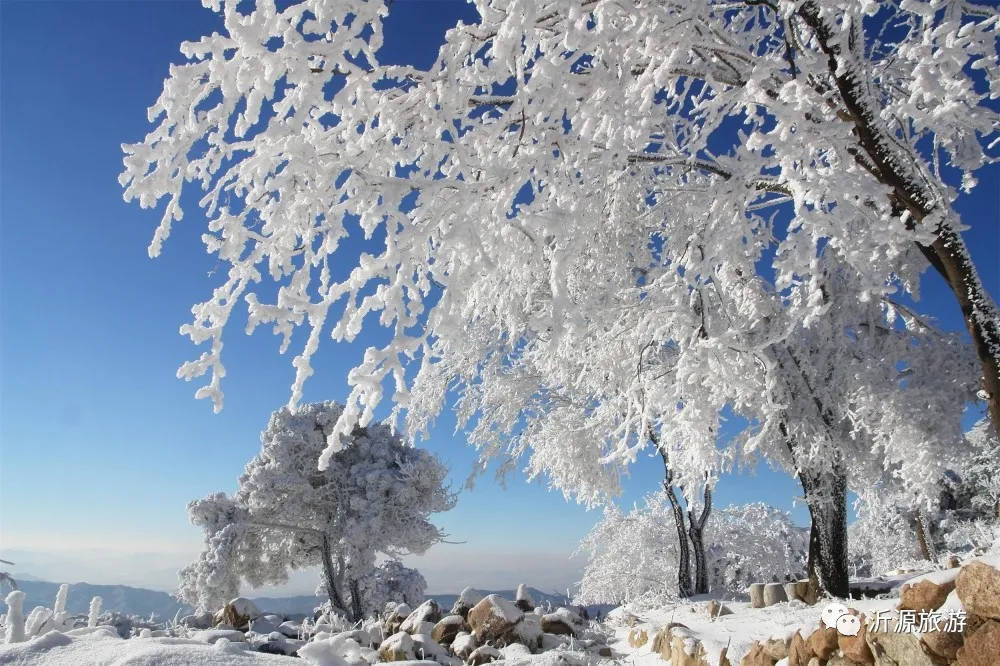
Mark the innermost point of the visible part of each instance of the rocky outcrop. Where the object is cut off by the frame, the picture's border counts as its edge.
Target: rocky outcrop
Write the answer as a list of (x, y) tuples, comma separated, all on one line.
[(925, 595), (978, 586), (982, 648), (398, 647)]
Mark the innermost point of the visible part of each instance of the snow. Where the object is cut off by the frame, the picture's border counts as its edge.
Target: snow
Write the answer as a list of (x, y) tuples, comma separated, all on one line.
[(64, 649)]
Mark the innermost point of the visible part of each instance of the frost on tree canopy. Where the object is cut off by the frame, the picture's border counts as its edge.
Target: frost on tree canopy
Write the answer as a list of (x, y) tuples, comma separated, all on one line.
[(374, 497), (594, 212)]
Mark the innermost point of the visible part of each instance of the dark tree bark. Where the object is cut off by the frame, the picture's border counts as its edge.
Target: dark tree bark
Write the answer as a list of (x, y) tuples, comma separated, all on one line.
[(891, 167), (684, 588), (356, 611), (826, 497), (696, 529)]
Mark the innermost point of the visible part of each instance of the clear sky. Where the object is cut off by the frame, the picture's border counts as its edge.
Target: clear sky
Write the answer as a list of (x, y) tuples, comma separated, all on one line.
[(101, 447)]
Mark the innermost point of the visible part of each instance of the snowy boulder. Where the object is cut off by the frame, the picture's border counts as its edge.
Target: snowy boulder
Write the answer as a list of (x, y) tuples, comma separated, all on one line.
[(362, 637), (212, 635), (483, 655), (398, 647), (529, 631), (290, 629), (927, 593), (426, 647), (493, 618), (562, 621), (335, 651), (718, 609), (756, 592), (515, 652), (265, 624), (237, 613), (464, 644), (637, 637), (523, 599), (447, 629), (978, 586), (465, 602), (429, 611), (395, 618), (554, 641), (823, 642)]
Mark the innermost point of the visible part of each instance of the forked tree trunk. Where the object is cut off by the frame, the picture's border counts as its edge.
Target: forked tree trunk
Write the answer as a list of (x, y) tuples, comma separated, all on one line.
[(684, 589), (826, 497), (924, 538), (696, 529)]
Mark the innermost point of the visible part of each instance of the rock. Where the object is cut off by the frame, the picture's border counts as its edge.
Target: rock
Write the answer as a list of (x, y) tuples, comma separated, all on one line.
[(756, 592), (265, 624), (774, 593), (427, 648), (553, 623), (429, 611), (359, 636), (944, 644), (398, 647), (686, 650), (757, 656), (463, 645), (637, 638), (954, 562), (605, 651), (237, 612), (891, 647), (791, 591), (799, 652), (856, 647), (529, 631), (483, 655), (717, 608), (523, 599), (290, 629), (466, 600), (395, 618), (822, 642), (515, 652), (212, 635), (978, 586), (198, 621), (554, 641), (776, 648), (630, 619), (447, 629), (925, 595), (493, 617), (982, 648)]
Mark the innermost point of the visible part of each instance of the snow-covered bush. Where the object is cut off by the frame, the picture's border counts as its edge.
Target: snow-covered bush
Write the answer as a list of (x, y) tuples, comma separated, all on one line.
[(884, 535), (633, 557), (392, 581), (754, 543), (374, 496)]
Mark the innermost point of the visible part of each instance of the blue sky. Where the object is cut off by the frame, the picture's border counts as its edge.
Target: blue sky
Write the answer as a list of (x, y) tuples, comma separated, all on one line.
[(101, 447)]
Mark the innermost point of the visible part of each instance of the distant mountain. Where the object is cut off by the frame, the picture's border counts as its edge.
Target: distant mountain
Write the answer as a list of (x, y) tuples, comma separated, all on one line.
[(122, 598), (140, 601)]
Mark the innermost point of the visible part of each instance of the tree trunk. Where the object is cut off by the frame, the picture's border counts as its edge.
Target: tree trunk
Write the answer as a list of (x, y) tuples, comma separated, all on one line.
[(924, 538), (330, 576), (826, 497), (683, 551), (890, 166), (696, 530), (357, 612)]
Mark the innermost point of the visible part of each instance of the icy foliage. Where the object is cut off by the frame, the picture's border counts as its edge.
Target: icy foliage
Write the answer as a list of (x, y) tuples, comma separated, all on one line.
[(374, 496), (884, 535), (633, 557), (600, 219), (94, 613), (754, 543), (391, 581), (981, 471)]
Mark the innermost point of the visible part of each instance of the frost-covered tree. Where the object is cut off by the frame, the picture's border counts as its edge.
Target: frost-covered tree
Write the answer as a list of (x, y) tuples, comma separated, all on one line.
[(374, 497), (632, 558), (391, 581), (754, 543), (600, 214)]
